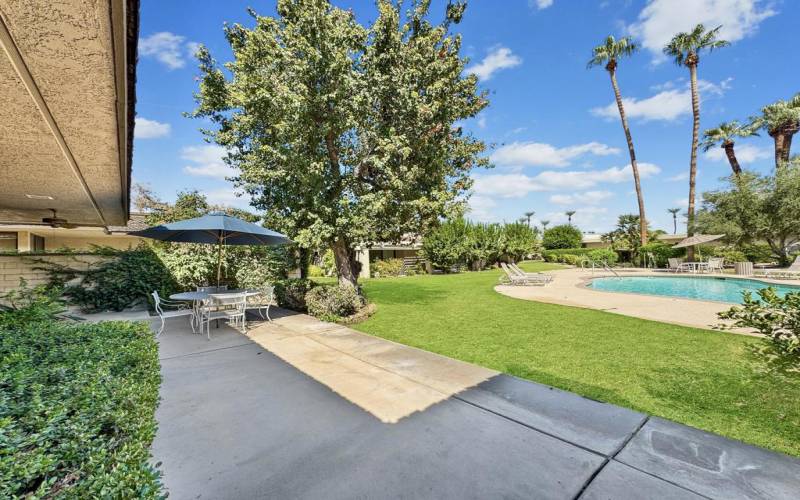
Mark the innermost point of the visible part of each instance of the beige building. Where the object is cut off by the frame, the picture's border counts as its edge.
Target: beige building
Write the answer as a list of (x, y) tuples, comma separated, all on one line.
[(24, 238), (407, 249)]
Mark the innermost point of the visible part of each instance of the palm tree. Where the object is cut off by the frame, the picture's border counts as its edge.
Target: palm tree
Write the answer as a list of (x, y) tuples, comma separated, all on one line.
[(685, 49), (544, 225), (781, 120), (609, 53), (569, 215), (724, 135), (674, 212), (521, 220), (528, 215)]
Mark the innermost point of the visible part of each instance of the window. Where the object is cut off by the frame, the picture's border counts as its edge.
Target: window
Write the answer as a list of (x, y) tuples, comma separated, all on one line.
[(38, 243), (8, 242)]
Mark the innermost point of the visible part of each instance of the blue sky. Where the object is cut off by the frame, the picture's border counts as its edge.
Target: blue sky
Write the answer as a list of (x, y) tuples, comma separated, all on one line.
[(558, 144)]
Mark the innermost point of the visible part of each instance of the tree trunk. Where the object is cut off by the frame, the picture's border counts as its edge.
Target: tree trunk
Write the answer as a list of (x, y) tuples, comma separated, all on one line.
[(303, 261), (693, 158), (787, 145), (780, 141), (728, 147), (674, 225), (632, 153), (345, 263)]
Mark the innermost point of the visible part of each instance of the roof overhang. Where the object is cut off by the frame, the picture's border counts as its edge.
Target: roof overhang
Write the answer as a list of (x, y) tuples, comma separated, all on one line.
[(67, 77)]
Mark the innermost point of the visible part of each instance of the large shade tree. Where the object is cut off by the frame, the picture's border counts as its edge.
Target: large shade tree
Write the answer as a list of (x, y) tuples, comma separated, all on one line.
[(781, 120), (609, 53), (725, 134), (345, 134), (685, 49)]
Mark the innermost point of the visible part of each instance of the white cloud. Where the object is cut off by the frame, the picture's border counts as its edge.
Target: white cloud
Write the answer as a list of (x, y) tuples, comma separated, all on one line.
[(588, 198), (540, 4), (746, 153), (678, 177), (150, 129), (497, 59), (517, 185), (681, 202), (480, 208), (668, 105), (661, 19), (482, 121), (167, 48), (206, 161), (541, 154)]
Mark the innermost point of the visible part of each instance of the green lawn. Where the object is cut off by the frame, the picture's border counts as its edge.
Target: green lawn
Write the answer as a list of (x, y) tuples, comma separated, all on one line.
[(707, 379)]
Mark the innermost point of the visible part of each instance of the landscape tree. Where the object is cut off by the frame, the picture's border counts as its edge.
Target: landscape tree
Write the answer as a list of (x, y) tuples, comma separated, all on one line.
[(756, 208), (609, 54), (685, 49), (725, 134), (674, 212), (344, 134), (544, 225), (569, 214), (626, 235), (781, 120), (563, 236)]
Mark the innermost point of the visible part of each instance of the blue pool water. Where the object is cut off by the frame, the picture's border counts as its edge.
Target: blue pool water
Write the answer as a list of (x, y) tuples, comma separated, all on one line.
[(705, 288)]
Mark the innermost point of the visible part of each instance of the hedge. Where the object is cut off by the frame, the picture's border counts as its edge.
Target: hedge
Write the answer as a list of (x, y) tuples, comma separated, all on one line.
[(77, 409)]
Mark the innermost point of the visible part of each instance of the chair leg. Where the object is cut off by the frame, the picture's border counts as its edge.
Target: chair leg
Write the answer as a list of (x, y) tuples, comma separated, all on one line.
[(270, 319), (162, 326)]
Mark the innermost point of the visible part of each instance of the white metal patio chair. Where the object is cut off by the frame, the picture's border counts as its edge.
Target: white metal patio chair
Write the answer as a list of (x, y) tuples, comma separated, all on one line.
[(228, 306), (166, 308), (716, 265), (263, 301)]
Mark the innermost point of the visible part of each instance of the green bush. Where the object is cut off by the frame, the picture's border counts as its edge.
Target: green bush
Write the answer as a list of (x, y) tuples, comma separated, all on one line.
[(445, 245), (330, 303), (77, 404), (600, 255), (758, 253), (557, 255), (291, 293), (388, 267), (125, 280), (777, 318), (315, 271), (661, 252), (563, 236)]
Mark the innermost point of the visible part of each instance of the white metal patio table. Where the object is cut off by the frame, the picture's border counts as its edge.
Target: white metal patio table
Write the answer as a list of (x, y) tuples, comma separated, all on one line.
[(197, 297), (694, 267)]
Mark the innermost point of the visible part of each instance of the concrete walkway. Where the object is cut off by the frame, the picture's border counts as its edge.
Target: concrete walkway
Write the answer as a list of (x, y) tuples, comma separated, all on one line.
[(569, 289), (288, 412)]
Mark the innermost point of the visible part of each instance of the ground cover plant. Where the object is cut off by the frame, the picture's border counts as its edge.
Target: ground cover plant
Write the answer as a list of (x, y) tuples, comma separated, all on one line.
[(77, 405), (711, 380)]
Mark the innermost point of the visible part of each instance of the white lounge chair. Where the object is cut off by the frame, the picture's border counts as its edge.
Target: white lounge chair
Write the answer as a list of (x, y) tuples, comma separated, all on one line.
[(791, 272), (675, 264), (170, 309), (538, 276), (513, 278)]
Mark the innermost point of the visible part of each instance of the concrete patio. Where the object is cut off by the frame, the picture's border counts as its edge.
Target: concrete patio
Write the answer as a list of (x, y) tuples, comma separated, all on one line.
[(295, 409)]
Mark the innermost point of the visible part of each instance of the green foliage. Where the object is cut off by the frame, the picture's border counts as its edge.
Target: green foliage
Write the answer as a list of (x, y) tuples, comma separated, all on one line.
[(628, 235), (484, 245), (124, 280), (386, 268), (291, 293), (602, 255), (77, 404), (756, 208), (327, 263), (346, 134), (520, 241), (777, 318), (570, 256), (445, 245), (24, 305), (331, 303), (256, 266), (563, 236), (660, 252)]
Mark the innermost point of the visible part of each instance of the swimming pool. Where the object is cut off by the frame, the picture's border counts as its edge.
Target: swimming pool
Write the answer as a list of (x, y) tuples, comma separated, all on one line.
[(701, 288)]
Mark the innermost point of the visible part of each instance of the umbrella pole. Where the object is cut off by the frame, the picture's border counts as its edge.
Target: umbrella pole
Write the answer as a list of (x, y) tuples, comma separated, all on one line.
[(219, 260)]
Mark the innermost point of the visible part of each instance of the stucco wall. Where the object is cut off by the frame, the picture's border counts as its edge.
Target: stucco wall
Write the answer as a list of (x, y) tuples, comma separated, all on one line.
[(14, 267), (118, 242)]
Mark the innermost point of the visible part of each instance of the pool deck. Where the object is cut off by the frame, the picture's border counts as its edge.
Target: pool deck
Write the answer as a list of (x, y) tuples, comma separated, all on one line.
[(569, 289)]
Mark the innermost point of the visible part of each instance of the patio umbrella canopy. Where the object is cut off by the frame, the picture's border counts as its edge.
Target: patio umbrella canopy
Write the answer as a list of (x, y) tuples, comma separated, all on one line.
[(697, 239), (215, 228)]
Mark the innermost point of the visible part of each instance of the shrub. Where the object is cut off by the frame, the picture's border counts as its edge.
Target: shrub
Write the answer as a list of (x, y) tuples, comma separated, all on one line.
[(291, 293), (25, 305), (256, 266), (125, 280), (600, 255), (330, 303), (445, 245), (519, 241), (758, 253), (661, 252), (563, 236), (77, 412), (388, 267), (315, 271), (777, 318), (558, 254)]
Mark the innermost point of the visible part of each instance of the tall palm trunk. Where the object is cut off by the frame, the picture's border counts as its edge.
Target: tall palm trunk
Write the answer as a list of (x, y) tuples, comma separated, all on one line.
[(728, 147), (634, 167), (780, 142), (693, 159)]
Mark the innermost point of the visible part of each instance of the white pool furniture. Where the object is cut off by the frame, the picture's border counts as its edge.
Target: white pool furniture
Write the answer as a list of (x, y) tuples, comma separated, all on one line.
[(538, 276), (674, 264), (791, 272), (171, 309), (263, 300), (716, 265), (513, 278), (199, 299)]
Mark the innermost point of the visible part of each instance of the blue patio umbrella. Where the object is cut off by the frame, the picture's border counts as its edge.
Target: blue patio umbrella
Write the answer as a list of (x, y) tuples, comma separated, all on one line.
[(215, 228)]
